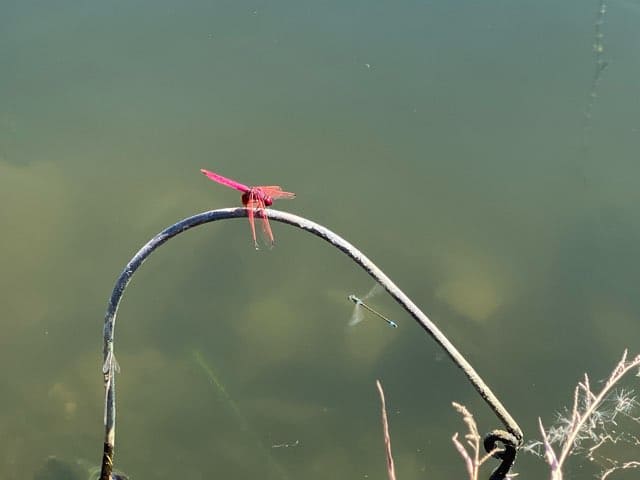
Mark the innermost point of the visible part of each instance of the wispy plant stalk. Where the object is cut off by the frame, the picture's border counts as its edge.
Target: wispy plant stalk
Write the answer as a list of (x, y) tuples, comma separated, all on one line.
[(579, 424), (391, 470)]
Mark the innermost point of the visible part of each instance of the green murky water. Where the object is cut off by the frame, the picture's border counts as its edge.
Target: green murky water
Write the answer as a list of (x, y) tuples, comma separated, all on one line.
[(448, 140)]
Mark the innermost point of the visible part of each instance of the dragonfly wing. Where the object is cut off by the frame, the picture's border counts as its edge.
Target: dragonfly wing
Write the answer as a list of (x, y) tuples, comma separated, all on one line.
[(375, 290), (225, 181), (111, 363), (356, 316), (275, 191)]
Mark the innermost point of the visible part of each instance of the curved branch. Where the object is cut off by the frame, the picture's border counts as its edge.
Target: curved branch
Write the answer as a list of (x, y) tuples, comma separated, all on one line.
[(109, 366), (507, 455)]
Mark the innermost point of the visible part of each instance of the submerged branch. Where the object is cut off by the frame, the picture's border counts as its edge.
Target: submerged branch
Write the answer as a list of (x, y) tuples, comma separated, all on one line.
[(513, 436)]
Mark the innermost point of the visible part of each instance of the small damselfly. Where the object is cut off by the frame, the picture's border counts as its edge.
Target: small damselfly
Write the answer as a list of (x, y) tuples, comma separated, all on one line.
[(358, 315)]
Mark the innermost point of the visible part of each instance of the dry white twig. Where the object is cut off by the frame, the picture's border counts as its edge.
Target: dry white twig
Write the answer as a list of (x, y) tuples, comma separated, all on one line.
[(391, 471), (472, 460), (586, 421)]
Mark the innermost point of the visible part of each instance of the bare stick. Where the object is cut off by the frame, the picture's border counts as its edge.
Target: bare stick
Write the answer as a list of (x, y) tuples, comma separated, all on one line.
[(391, 471), (514, 434)]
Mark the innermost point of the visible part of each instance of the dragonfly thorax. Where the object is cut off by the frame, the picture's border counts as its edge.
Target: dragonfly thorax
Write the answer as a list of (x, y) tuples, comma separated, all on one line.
[(254, 195)]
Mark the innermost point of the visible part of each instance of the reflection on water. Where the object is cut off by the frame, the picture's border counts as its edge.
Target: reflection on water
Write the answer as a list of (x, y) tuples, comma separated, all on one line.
[(444, 139), (58, 469)]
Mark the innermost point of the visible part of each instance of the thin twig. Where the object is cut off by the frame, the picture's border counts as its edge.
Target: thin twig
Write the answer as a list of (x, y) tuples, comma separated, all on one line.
[(473, 441), (624, 466), (319, 231), (473, 463), (550, 454), (468, 461), (391, 471)]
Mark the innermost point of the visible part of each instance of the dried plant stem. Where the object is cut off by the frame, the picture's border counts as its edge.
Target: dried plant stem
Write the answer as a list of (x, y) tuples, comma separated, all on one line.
[(624, 466), (579, 419), (391, 471), (473, 463), (514, 435), (585, 404), (473, 440)]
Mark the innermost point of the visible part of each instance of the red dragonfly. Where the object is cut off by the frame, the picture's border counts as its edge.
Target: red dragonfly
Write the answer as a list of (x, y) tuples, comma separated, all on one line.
[(256, 199)]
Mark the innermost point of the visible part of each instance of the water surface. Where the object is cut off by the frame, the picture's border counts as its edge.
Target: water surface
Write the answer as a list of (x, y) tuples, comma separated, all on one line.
[(448, 140)]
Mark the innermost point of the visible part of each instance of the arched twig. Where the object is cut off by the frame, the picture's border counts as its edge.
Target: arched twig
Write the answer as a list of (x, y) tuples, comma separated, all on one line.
[(109, 365), (507, 455)]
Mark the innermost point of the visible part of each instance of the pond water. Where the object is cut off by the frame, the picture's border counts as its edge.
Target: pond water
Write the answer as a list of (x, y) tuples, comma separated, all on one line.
[(484, 154)]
